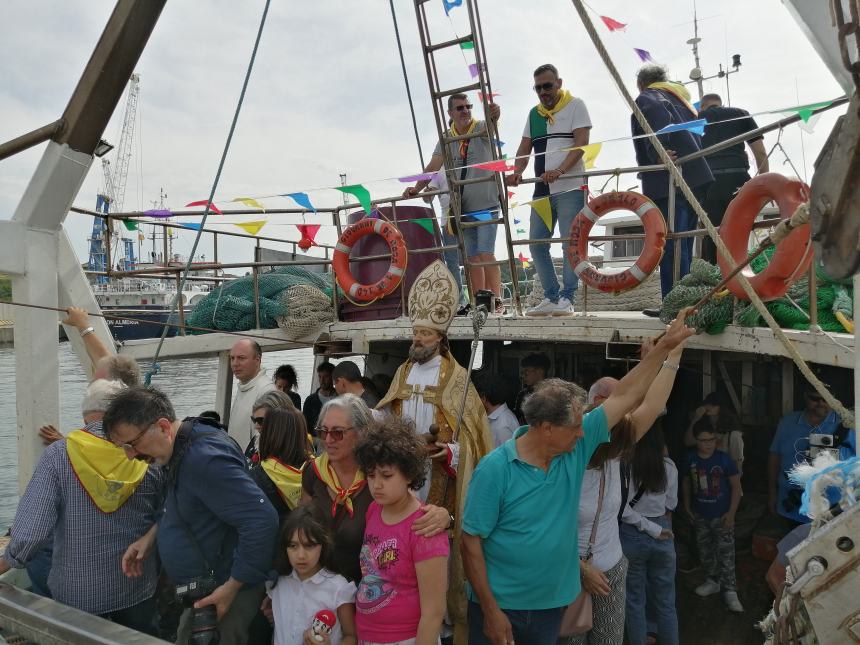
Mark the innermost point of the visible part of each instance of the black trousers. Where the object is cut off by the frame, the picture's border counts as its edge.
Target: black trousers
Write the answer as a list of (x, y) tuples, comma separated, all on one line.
[(720, 193)]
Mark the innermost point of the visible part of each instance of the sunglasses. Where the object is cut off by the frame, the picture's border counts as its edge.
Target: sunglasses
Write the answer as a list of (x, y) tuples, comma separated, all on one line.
[(544, 87), (336, 433), (258, 421), (131, 445), (460, 108)]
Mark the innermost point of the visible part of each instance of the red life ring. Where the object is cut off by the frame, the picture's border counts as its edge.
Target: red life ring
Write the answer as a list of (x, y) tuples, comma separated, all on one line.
[(396, 270), (655, 240), (792, 256)]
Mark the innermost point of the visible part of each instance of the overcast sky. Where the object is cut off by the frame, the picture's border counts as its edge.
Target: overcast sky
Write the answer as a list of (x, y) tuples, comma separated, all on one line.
[(327, 94)]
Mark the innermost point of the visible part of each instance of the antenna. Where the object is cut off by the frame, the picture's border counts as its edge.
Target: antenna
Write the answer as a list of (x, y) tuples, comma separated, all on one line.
[(343, 183)]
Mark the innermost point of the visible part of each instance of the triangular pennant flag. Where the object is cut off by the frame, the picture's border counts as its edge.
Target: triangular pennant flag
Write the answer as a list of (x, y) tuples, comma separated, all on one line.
[(450, 4), (490, 96), (543, 208), (301, 199), (521, 231), (203, 202), (360, 193), (252, 228), (522, 258), (140, 236), (469, 44), (158, 212), (511, 194), (809, 126), (498, 166), (516, 221), (696, 127), (191, 225), (250, 202), (308, 233), (481, 216), (643, 55), (473, 69), (130, 225), (589, 154), (805, 111), (424, 222), (697, 105), (611, 24)]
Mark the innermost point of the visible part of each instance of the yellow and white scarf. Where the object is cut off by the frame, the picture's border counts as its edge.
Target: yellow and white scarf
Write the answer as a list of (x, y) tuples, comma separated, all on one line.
[(464, 144), (287, 479), (564, 97), (342, 496), (678, 90)]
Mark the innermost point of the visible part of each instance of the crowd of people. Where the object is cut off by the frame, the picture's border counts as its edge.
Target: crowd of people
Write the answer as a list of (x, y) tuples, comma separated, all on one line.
[(555, 133)]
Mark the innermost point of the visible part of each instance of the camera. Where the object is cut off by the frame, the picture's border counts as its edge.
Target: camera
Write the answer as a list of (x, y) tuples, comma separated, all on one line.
[(204, 622), (819, 443)]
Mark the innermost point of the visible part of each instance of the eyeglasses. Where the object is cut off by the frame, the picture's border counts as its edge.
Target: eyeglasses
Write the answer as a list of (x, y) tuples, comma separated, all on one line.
[(258, 421), (544, 87), (131, 445), (336, 433), (460, 108)]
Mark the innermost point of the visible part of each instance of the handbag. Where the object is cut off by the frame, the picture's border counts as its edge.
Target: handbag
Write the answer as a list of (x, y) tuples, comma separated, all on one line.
[(578, 616)]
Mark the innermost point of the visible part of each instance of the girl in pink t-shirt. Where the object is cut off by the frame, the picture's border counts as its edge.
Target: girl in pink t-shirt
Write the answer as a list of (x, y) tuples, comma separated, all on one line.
[(401, 598)]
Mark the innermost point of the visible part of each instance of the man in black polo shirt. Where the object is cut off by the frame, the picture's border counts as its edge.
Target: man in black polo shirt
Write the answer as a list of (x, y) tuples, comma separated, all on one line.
[(730, 166)]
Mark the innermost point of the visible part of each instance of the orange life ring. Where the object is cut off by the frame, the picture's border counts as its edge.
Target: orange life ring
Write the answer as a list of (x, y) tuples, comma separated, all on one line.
[(396, 270), (792, 256), (655, 240)]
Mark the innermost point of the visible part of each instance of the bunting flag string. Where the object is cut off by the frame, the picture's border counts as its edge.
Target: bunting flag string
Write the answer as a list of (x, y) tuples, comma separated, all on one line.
[(252, 228), (481, 96), (301, 199), (250, 202), (450, 4), (644, 55), (360, 193), (524, 260), (203, 202), (424, 222), (469, 44), (696, 127), (501, 165), (612, 24), (194, 226), (130, 224), (308, 233), (158, 212), (804, 111), (543, 208)]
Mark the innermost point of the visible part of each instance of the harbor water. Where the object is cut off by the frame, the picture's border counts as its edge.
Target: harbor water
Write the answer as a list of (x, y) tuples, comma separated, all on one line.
[(189, 382)]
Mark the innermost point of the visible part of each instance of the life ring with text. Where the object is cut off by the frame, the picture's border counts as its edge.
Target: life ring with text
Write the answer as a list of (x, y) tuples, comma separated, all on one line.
[(792, 256), (396, 270), (652, 252)]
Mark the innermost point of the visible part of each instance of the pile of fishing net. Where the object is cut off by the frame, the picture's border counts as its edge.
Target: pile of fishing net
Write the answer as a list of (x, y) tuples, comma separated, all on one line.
[(292, 298), (834, 298)]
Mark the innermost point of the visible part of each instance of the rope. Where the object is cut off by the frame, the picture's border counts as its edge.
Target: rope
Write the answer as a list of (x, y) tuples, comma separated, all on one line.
[(153, 368), (406, 82), (675, 173)]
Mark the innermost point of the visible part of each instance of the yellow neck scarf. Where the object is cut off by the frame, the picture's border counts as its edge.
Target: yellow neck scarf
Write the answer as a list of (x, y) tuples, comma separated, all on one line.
[(464, 144), (107, 475), (287, 480), (564, 97), (678, 91), (342, 496)]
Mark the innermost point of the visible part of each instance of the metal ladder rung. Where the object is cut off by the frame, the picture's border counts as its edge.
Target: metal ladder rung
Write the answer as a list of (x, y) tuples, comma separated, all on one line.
[(449, 43), (458, 90)]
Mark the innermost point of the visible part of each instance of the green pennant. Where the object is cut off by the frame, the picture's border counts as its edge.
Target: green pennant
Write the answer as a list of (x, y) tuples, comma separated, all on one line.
[(469, 44), (805, 111), (424, 222), (360, 193), (131, 226), (521, 231)]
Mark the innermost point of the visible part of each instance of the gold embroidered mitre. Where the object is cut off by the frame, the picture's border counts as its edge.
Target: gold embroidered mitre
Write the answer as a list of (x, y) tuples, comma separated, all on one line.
[(433, 298)]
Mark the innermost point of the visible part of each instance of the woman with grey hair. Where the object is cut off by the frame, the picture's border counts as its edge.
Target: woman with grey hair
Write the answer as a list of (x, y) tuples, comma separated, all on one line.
[(334, 483), (271, 400)]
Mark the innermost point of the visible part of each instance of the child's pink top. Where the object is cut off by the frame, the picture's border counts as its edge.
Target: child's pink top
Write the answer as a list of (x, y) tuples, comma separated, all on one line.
[(387, 604)]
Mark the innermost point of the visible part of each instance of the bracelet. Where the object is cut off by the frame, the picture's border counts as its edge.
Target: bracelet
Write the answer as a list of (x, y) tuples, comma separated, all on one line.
[(559, 171), (671, 366), (453, 521), (87, 331)]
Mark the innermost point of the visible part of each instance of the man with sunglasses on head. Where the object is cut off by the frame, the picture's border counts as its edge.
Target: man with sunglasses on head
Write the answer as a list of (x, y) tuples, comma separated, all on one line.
[(216, 534), (799, 437), (480, 241), (556, 124)]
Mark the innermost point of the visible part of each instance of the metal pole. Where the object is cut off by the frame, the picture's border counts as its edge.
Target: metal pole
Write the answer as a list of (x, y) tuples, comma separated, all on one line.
[(256, 275), (181, 308), (30, 139), (856, 353), (813, 295)]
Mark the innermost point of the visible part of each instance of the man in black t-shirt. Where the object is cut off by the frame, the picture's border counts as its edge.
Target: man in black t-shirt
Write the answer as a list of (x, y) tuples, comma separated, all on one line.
[(729, 166)]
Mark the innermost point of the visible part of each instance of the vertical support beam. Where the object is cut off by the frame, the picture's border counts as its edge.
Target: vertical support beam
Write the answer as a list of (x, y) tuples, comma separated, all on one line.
[(37, 340), (788, 386), (707, 373), (856, 353), (747, 400), (730, 388), (224, 387)]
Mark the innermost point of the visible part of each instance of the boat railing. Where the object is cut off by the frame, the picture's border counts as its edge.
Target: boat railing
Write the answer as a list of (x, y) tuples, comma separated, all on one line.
[(338, 218)]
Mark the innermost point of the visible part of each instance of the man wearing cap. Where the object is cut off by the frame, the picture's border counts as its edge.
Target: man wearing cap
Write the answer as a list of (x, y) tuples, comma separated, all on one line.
[(428, 389)]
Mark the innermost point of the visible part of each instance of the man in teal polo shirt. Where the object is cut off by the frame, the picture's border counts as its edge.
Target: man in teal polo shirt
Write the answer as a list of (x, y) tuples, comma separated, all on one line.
[(520, 523)]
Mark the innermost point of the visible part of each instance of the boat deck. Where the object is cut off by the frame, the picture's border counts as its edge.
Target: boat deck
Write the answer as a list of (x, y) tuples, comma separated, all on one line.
[(596, 328)]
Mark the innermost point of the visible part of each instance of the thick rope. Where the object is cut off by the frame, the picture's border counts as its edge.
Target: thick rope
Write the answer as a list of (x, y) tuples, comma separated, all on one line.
[(154, 368), (832, 401), (406, 82)]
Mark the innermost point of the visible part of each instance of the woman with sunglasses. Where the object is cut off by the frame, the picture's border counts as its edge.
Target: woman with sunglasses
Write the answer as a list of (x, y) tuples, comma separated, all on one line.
[(334, 483), (271, 400)]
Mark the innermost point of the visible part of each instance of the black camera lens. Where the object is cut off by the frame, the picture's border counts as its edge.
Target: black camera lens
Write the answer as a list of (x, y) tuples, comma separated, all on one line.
[(204, 626)]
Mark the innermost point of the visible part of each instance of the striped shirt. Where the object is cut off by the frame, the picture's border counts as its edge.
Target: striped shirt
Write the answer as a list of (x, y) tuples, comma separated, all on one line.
[(86, 571)]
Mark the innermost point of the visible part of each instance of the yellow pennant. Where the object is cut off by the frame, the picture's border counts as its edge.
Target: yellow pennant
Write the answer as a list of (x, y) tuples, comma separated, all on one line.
[(107, 475), (589, 153), (252, 228), (287, 480), (543, 208), (250, 202)]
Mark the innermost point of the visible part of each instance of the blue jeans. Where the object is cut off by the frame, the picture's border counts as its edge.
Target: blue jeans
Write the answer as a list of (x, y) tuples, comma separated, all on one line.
[(452, 259), (142, 617), (480, 239), (651, 575), (685, 220), (532, 626), (565, 207)]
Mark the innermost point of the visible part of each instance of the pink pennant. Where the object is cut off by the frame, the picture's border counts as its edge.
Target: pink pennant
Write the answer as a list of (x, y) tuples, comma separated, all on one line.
[(490, 96), (523, 258), (497, 166), (308, 232), (611, 24), (203, 202)]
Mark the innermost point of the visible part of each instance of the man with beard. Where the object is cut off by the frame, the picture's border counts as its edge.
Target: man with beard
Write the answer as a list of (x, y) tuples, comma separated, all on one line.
[(428, 389)]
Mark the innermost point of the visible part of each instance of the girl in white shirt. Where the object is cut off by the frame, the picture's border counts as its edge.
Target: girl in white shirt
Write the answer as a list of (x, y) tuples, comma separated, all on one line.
[(306, 586)]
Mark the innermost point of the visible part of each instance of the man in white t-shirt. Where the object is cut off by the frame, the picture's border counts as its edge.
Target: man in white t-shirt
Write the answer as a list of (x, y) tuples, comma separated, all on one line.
[(245, 362), (559, 122)]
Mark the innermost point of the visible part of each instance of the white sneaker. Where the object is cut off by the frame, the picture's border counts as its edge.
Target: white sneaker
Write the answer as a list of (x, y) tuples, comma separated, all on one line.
[(709, 588), (732, 602), (563, 308), (545, 308)]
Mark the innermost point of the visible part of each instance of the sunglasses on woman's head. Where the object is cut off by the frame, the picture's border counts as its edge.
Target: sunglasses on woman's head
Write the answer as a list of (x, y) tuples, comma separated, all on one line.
[(258, 421)]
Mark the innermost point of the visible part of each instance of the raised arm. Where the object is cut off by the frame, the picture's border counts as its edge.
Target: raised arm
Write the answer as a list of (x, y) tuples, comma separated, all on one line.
[(631, 390), (79, 318), (655, 399)]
